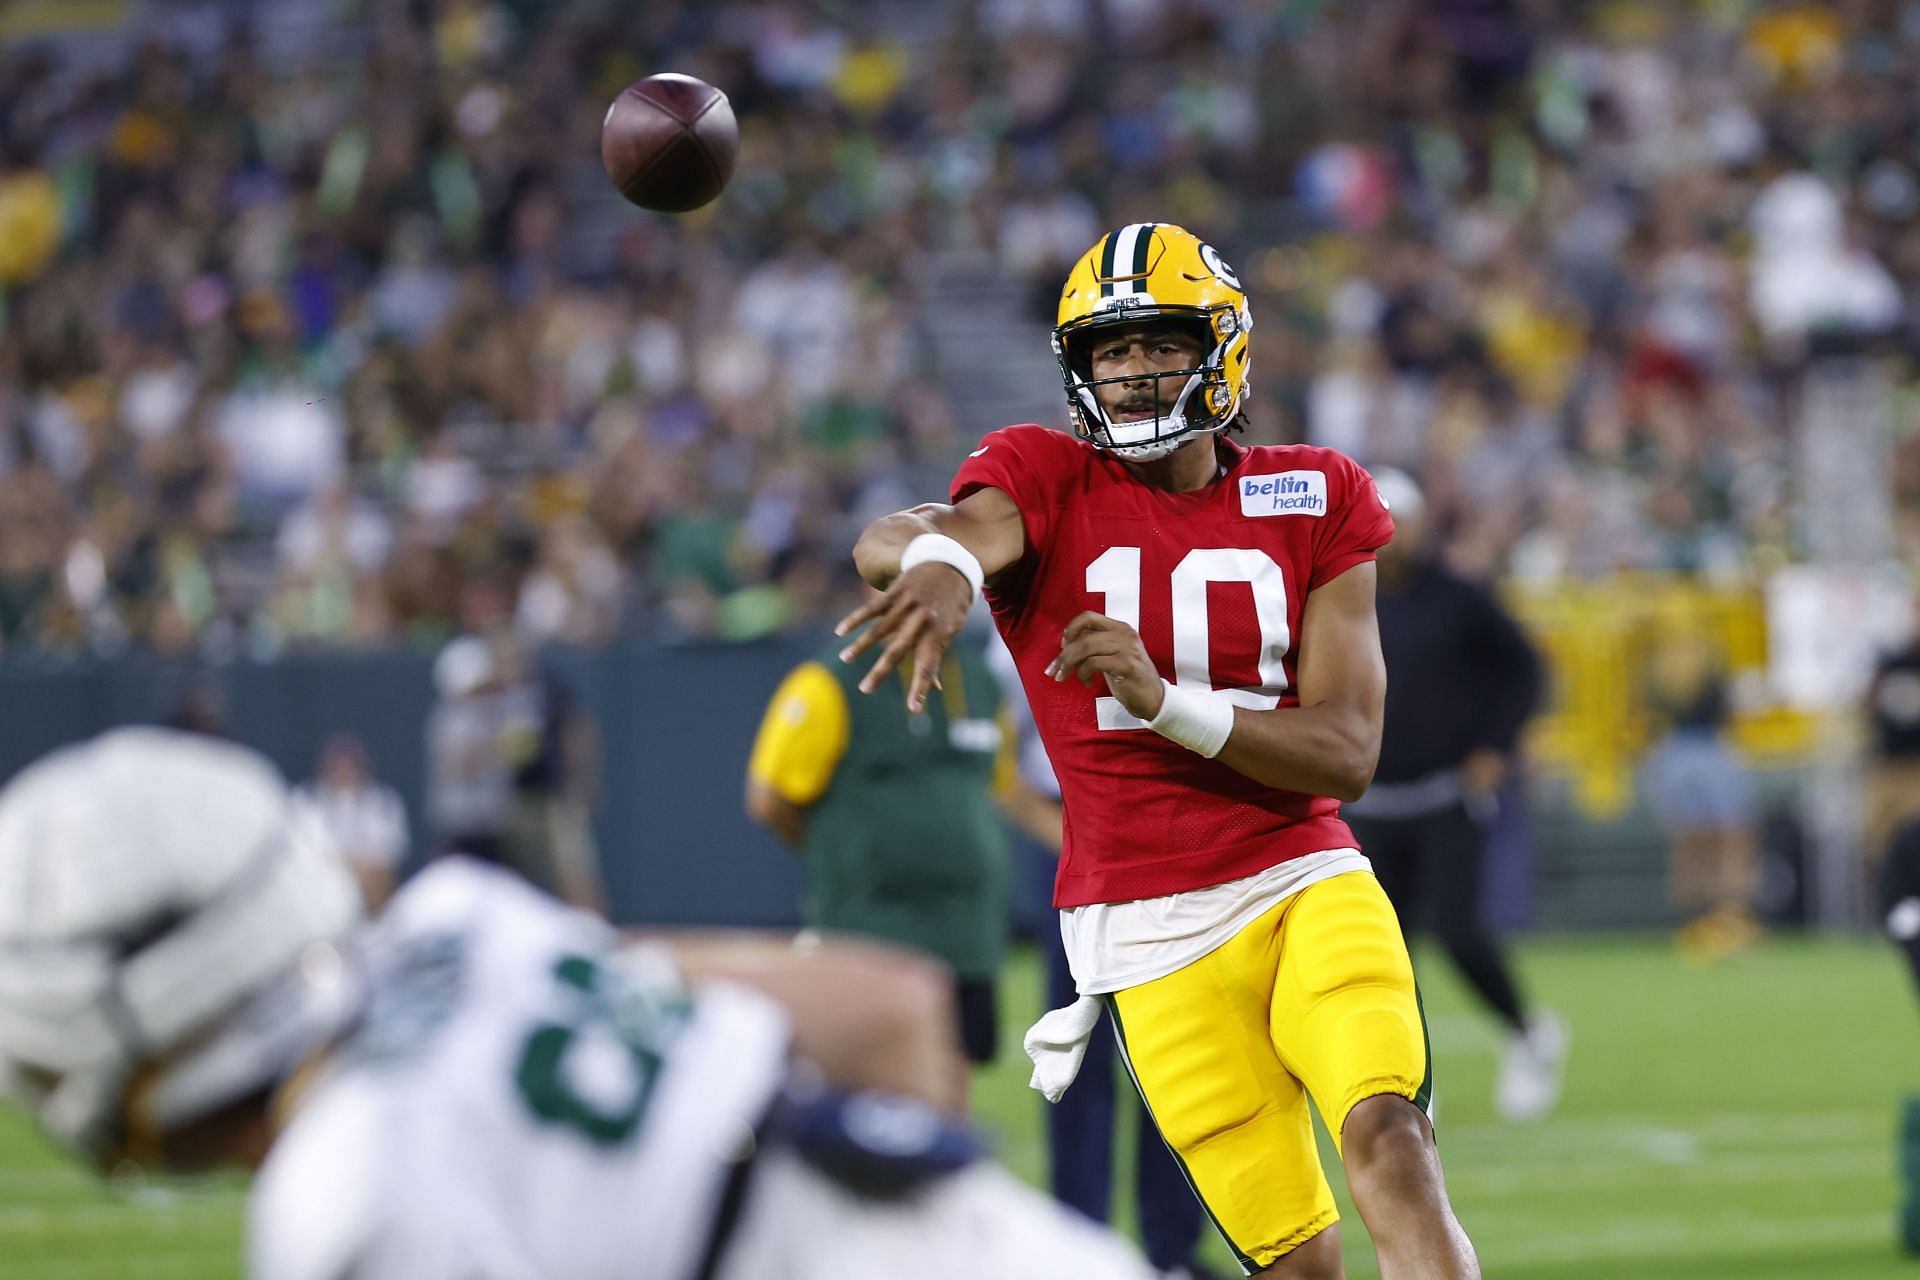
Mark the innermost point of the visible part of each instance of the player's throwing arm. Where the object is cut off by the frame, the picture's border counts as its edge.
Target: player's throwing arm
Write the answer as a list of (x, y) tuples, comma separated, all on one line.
[(929, 562)]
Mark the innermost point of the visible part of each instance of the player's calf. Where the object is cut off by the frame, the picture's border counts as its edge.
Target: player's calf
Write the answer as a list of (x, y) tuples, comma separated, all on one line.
[(1393, 1170)]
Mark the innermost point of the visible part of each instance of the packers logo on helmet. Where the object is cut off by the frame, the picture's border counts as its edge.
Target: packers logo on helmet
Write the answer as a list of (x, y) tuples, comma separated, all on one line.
[(1144, 272)]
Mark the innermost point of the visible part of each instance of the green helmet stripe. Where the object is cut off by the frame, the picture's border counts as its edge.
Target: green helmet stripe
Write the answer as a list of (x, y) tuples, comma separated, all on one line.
[(1142, 244)]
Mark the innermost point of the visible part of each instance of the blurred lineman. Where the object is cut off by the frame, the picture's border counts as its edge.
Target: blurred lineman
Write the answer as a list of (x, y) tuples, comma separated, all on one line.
[(893, 812), (363, 816), (485, 1082), (1461, 681), (1194, 624), (1080, 1126)]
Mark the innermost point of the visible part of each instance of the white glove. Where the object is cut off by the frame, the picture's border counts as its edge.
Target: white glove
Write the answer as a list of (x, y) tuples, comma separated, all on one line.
[(1058, 1042)]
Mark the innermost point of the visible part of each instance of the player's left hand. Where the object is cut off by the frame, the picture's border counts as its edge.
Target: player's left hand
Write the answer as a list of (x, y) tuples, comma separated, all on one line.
[(1094, 644)]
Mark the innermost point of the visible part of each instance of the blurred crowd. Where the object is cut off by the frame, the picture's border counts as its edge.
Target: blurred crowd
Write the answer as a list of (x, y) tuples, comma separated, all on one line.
[(351, 343)]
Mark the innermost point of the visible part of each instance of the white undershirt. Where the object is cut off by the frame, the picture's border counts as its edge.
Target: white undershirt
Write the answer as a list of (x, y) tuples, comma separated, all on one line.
[(1115, 945)]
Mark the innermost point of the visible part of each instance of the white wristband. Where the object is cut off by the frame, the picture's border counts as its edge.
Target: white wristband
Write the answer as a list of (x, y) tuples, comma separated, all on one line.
[(938, 548), (1200, 722)]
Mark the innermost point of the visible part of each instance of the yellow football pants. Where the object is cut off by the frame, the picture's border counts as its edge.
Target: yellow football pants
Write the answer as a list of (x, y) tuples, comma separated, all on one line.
[(1316, 997)]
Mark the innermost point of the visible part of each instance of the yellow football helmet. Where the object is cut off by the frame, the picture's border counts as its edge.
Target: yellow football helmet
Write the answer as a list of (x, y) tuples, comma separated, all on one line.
[(1146, 271)]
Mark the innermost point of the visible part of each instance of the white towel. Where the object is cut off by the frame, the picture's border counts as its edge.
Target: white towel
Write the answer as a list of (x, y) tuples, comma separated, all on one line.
[(1058, 1042)]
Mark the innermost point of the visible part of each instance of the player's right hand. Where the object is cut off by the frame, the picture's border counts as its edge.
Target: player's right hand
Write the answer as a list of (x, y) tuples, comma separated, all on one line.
[(919, 614)]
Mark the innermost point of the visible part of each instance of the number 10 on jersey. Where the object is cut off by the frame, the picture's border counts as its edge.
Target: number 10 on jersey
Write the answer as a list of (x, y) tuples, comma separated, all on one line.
[(1116, 576)]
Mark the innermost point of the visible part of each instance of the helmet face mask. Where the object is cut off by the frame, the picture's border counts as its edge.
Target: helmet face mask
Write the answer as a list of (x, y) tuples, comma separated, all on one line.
[(1141, 276)]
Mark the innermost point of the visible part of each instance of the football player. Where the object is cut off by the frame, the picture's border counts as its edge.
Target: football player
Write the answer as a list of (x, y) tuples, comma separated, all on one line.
[(483, 1083), (1194, 625)]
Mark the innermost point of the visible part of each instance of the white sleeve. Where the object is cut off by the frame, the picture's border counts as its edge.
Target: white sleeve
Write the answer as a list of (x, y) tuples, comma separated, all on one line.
[(318, 1201), (389, 846), (328, 1205)]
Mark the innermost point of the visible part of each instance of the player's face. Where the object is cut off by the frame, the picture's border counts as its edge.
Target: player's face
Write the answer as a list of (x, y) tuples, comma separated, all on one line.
[(1135, 355)]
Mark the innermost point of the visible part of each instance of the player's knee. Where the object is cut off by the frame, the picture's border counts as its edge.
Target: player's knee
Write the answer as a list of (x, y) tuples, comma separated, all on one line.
[(1385, 1134)]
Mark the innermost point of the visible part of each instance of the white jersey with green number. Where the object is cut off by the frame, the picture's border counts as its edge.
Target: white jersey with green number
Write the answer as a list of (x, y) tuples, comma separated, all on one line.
[(525, 1099)]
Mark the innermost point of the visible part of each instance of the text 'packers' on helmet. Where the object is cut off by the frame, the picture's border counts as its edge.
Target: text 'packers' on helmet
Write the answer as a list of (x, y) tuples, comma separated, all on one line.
[(1142, 273)]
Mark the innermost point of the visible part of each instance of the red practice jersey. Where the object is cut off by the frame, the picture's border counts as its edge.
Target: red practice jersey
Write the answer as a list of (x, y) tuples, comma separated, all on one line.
[(1215, 582)]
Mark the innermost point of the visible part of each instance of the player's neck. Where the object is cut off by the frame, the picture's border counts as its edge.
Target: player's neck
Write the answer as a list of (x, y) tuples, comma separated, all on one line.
[(1194, 465)]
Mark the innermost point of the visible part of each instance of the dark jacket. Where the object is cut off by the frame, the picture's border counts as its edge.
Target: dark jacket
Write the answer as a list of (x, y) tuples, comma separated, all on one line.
[(1460, 675)]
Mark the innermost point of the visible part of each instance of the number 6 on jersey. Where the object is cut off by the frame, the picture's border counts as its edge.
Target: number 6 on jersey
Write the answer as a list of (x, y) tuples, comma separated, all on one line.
[(1115, 575)]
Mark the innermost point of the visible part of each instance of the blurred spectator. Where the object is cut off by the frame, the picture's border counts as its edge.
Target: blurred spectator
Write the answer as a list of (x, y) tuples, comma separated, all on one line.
[(1560, 263), (1806, 278), (1703, 798), (201, 709), (364, 816), (469, 778), (556, 783), (512, 769), (573, 594)]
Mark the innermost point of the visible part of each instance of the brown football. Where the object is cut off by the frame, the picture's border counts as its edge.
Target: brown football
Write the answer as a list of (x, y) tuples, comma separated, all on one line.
[(669, 142)]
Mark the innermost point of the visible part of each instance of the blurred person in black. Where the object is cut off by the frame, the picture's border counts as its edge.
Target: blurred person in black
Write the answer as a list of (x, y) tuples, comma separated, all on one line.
[(1892, 836), (202, 709), (1893, 770), (1461, 681)]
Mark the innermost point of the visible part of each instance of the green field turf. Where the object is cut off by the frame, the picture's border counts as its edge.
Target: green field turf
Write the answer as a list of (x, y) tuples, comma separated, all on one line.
[(1733, 1123)]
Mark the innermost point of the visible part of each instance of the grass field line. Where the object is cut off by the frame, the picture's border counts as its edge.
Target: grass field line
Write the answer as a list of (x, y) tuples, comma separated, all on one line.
[(1460, 1033), (223, 1259), (32, 1219), (68, 1184), (1833, 1128), (1587, 1176), (48, 1178), (1667, 1237)]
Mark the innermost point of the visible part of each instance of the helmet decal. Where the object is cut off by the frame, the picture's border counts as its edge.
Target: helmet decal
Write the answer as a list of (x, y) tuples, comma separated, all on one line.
[(1217, 265)]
